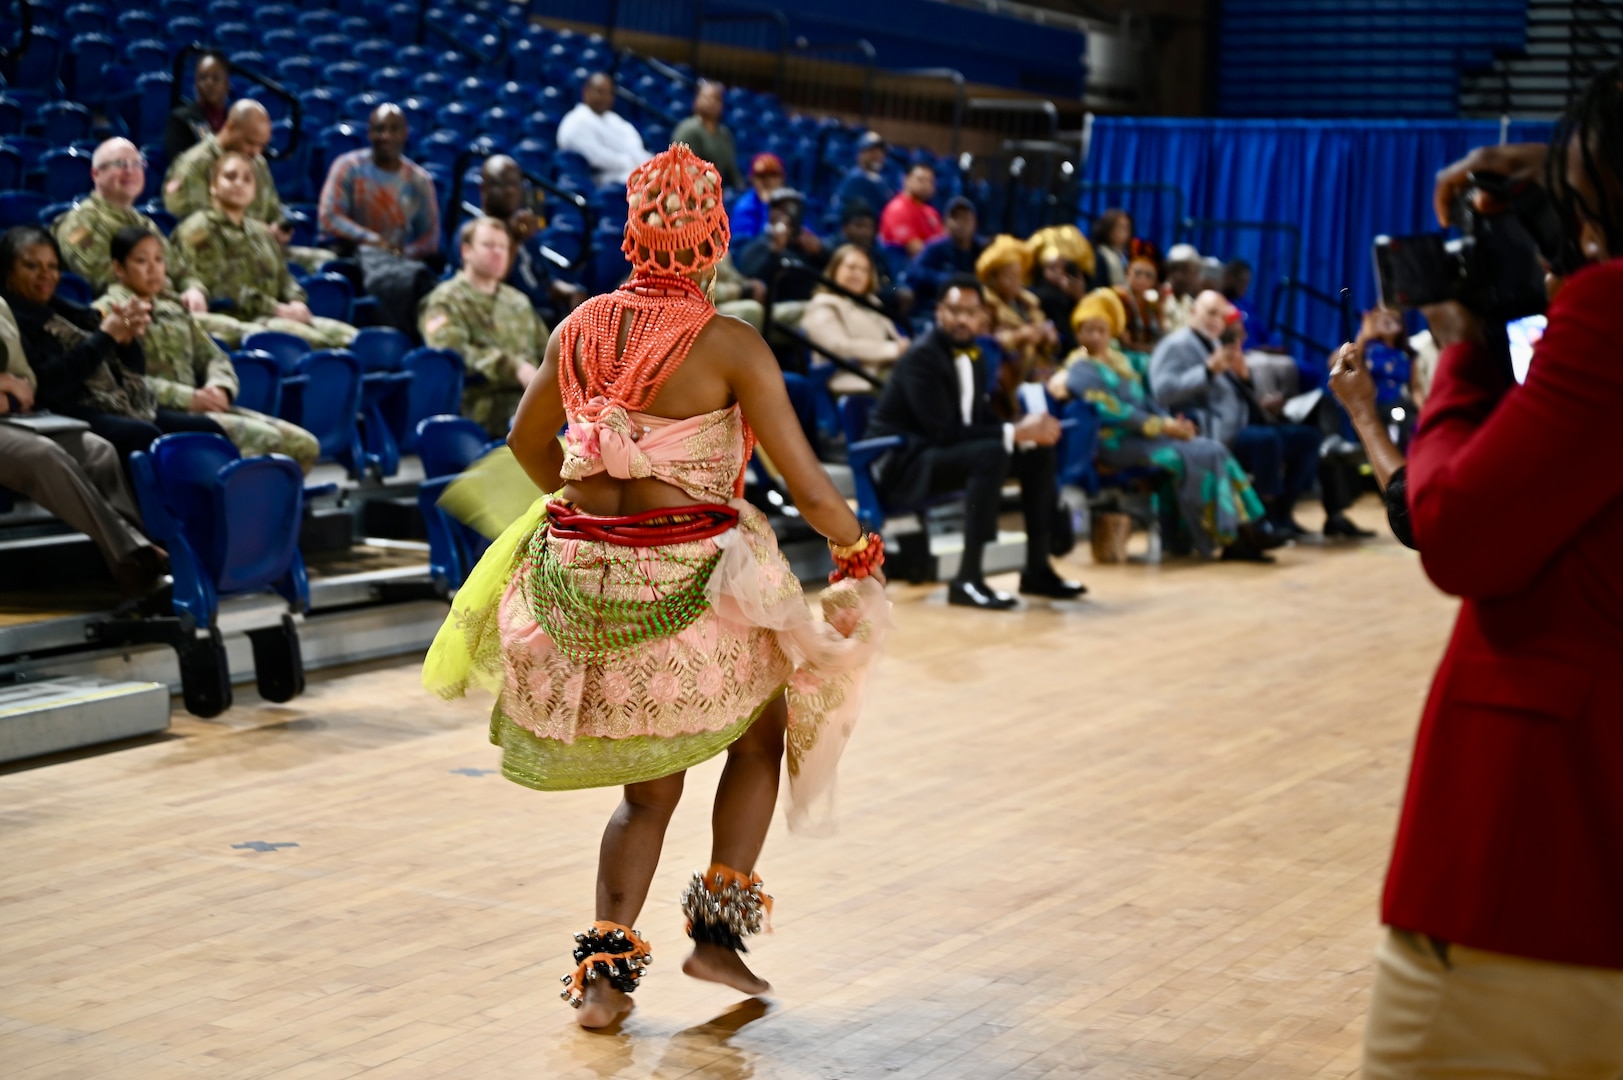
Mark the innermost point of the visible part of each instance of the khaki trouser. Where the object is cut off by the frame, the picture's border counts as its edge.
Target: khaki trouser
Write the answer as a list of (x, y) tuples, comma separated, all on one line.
[(1487, 1016), (76, 476)]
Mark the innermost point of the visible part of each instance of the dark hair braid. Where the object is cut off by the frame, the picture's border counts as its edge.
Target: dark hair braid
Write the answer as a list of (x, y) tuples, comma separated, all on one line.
[(1595, 120)]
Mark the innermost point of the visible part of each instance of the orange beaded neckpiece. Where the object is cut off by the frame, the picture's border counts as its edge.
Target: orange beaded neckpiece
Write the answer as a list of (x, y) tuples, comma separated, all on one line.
[(676, 225)]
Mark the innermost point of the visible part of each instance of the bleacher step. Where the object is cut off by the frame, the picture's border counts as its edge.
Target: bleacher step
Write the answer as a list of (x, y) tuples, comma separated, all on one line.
[(63, 712)]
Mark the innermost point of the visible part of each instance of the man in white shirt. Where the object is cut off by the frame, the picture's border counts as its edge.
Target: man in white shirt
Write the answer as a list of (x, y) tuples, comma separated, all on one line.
[(592, 129), (937, 399)]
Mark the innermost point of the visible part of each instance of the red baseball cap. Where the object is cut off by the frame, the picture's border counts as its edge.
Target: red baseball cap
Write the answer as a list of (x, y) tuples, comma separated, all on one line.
[(766, 163)]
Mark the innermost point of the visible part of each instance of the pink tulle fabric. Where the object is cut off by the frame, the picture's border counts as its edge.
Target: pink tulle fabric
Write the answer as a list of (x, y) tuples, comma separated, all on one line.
[(757, 636)]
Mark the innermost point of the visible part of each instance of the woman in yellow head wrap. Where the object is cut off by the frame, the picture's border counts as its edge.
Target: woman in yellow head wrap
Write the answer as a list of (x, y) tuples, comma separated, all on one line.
[(1214, 495), (1027, 338)]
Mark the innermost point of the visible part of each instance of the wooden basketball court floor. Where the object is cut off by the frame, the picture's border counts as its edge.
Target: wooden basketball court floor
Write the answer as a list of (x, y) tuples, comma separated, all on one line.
[(1140, 836)]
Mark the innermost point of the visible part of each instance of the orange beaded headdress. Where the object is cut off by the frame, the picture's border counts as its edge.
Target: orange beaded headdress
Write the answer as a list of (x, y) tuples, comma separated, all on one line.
[(675, 220)]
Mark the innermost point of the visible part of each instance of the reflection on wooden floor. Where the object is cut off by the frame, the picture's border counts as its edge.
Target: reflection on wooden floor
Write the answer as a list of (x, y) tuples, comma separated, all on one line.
[(1140, 836)]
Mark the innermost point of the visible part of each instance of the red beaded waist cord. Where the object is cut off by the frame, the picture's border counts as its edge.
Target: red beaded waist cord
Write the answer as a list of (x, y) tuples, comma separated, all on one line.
[(651, 528)]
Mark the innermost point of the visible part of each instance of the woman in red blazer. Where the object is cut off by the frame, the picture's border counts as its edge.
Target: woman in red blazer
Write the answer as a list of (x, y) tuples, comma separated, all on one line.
[(1504, 901)]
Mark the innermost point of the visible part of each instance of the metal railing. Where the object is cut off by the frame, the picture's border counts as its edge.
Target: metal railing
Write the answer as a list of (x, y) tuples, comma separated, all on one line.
[(831, 76), (1287, 294), (458, 209), (934, 96), (785, 268), (295, 106)]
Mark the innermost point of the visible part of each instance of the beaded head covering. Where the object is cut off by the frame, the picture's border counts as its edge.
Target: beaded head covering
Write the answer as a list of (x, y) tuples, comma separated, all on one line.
[(675, 220)]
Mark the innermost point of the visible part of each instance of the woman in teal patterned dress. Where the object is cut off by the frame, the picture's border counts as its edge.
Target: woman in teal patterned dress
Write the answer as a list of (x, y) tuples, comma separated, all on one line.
[(1213, 492)]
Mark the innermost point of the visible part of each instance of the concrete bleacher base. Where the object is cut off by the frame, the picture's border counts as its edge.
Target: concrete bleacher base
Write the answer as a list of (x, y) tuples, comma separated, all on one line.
[(49, 714)]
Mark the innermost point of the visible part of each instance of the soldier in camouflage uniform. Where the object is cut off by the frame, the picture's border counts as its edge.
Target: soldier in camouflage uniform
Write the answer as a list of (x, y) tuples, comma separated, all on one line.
[(492, 326), (247, 131), (240, 261), (185, 368)]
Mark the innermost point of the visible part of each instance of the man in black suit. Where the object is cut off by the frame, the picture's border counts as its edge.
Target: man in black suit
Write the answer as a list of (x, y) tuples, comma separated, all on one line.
[(937, 398)]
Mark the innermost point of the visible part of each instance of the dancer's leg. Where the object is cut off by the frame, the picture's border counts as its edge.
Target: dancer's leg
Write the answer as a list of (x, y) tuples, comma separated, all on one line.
[(625, 867), (745, 801)]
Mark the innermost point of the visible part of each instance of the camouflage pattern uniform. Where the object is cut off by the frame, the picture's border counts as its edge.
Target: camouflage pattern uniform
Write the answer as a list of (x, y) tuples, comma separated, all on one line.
[(243, 264), (182, 358), (494, 334), (85, 234), (186, 191)]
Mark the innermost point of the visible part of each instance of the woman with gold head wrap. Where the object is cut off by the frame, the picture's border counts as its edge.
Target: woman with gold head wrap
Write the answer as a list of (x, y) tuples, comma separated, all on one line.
[(1027, 338), (1214, 495)]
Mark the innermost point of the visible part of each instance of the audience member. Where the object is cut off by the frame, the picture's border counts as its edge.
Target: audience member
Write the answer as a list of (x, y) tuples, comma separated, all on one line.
[(119, 173), (1113, 240), (1015, 320), (1065, 262), (860, 228), (379, 198), (950, 255), (1185, 272), (1141, 297), (739, 296), (504, 195), (1272, 368), (247, 131), (88, 365), (840, 326), (241, 264), (909, 221), (1215, 498), (75, 475), (747, 218), (491, 325), (1388, 356), (936, 398), (185, 369), (785, 237), (708, 136), (866, 180), (1202, 367), (205, 113), (592, 129)]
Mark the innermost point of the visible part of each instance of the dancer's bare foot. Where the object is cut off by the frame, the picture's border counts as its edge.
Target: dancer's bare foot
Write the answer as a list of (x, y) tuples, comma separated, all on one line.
[(604, 1005), (718, 964)]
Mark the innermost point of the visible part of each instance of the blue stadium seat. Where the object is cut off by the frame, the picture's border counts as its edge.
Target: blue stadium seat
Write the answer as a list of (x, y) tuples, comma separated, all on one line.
[(329, 405), (234, 37), (88, 19), (376, 54), (230, 524), (437, 378), (448, 444), (393, 83), (458, 117), (358, 107), (138, 23), (11, 168), (63, 122), (862, 454), (67, 173), (73, 287), (181, 9), (282, 42), (346, 76), (384, 393), (259, 381), (402, 23), (298, 73), (39, 67), (330, 296), (286, 349), (320, 107), (147, 55), (90, 56), (318, 23), (11, 117), (331, 48), (342, 137), (186, 30), (21, 208), (275, 16)]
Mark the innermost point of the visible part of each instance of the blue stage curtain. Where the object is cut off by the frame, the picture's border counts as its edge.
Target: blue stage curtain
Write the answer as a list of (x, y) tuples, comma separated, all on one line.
[(1340, 182)]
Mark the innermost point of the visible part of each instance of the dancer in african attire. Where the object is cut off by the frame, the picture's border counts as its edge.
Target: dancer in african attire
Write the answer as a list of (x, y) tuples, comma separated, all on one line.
[(640, 619)]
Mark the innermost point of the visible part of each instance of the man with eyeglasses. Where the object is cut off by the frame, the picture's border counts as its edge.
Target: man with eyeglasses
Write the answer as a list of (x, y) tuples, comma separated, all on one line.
[(119, 173)]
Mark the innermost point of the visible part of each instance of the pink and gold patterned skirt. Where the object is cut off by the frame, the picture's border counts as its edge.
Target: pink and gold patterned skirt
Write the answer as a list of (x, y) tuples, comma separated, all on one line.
[(616, 664)]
